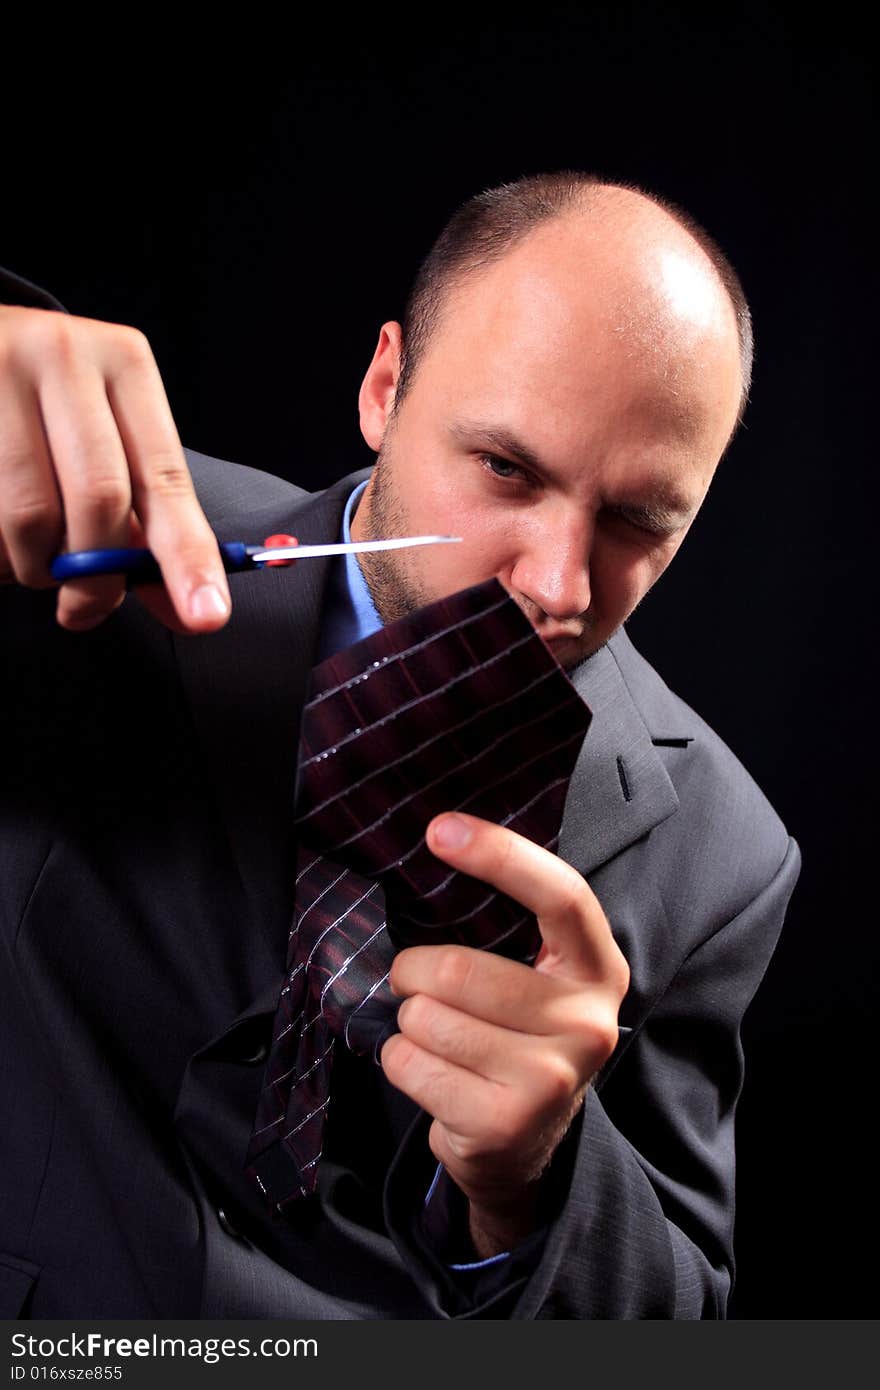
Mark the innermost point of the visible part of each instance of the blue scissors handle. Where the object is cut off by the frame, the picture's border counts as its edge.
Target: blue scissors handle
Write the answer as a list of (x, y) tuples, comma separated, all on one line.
[(141, 566)]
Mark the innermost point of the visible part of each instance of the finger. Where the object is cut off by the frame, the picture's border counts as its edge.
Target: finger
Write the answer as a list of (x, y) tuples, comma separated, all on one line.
[(92, 474), (483, 985), (154, 597), (573, 926), (456, 1097), (165, 500), (31, 518), (551, 1067)]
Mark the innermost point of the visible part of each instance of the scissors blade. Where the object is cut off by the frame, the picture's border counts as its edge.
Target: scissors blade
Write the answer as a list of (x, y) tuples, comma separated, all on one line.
[(308, 552)]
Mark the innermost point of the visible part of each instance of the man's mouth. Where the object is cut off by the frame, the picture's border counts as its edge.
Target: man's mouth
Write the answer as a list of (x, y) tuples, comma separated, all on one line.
[(556, 639)]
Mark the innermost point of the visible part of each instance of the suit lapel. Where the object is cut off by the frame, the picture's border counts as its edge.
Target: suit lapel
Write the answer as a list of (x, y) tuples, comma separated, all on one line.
[(246, 685), (620, 788)]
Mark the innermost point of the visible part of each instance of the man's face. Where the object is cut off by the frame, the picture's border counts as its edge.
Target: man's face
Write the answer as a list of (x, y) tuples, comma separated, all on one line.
[(566, 420)]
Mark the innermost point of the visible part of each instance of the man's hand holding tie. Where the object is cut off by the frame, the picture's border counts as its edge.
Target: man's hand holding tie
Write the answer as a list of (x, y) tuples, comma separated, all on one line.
[(499, 1052)]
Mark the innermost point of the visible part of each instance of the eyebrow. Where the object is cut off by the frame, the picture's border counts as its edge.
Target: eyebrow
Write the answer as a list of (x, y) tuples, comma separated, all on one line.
[(667, 510)]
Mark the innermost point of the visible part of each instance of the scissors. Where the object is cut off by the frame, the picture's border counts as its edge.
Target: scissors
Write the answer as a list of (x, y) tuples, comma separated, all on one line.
[(142, 567)]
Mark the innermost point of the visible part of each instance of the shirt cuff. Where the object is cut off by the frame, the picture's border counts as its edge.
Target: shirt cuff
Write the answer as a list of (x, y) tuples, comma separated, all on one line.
[(433, 1237), (445, 1233)]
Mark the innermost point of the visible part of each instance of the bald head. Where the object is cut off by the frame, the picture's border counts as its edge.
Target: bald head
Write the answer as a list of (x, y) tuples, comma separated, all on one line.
[(670, 278), (608, 308)]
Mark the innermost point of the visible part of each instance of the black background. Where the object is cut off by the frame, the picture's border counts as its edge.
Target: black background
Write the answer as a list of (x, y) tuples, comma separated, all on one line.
[(257, 202)]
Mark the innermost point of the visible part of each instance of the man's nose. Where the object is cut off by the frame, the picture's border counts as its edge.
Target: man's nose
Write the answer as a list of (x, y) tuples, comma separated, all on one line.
[(554, 573)]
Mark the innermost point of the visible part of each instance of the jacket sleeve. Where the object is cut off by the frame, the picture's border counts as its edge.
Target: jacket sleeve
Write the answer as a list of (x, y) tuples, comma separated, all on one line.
[(641, 1191), (14, 289)]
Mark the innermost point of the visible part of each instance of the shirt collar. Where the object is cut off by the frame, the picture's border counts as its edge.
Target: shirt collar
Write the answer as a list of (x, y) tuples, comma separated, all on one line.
[(366, 615), (349, 611)]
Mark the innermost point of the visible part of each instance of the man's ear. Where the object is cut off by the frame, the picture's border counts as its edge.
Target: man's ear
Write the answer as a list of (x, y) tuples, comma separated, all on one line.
[(376, 398)]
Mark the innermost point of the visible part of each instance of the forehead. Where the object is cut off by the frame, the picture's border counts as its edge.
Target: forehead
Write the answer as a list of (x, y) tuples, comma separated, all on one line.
[(576, 329)]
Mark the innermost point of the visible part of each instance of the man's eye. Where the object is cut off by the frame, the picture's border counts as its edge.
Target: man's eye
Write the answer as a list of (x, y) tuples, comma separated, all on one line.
[(651, 531), (501, 468), (645, 530)]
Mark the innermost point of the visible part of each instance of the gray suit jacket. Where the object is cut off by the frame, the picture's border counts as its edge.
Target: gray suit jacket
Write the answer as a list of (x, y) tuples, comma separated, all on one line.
[(146, 857)]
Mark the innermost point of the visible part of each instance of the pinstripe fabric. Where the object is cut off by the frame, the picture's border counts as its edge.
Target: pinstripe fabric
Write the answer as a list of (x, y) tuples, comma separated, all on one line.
[(459, 705)]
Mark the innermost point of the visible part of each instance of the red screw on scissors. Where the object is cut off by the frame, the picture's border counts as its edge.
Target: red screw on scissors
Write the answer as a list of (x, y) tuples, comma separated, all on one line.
[(272, 543)]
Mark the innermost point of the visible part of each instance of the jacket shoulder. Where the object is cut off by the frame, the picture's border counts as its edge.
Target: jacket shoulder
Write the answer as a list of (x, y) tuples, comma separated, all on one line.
[(243, 503), (226, 490)]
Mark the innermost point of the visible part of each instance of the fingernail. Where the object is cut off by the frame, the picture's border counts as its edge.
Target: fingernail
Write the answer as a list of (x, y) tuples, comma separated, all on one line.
[(75, 622), (452, 832), (208, 602)]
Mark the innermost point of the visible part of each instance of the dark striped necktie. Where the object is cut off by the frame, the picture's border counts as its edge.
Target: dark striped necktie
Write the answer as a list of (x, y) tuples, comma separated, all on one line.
[(458, 706)]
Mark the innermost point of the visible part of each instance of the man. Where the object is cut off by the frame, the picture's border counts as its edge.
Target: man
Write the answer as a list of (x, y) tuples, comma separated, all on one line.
[(574, 361)]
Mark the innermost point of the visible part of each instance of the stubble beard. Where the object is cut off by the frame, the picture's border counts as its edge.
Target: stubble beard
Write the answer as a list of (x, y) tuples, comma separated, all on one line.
[(394, 589)]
